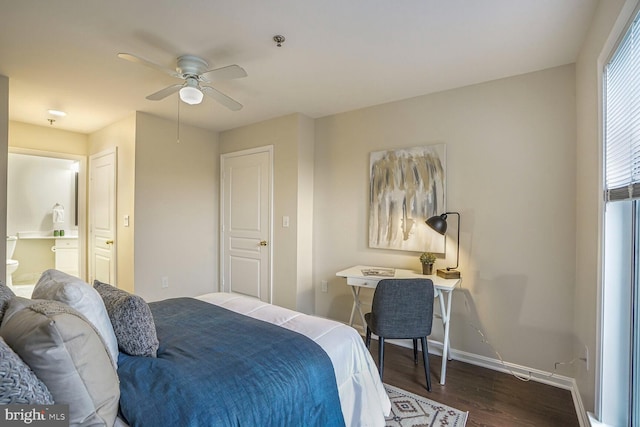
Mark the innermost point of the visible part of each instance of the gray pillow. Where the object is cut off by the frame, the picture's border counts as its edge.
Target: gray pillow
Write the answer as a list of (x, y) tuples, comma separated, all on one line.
[(18, 384), (65, 351), (131, 319), (79, 295), (5, 295)]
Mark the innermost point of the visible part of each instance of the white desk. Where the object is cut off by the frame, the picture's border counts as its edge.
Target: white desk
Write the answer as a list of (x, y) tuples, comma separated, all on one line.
[(442, 290)]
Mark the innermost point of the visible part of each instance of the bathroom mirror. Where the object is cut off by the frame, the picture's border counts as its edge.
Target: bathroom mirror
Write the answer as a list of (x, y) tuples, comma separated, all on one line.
[(35, 184)]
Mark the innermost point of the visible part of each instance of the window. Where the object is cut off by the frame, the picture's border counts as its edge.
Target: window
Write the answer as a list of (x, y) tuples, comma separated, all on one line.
[(622, 119), (620, 338)]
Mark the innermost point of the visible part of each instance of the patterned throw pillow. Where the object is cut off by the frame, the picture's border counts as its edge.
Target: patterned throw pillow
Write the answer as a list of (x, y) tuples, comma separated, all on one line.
[(131, 319), (18, 384), (5, 295)]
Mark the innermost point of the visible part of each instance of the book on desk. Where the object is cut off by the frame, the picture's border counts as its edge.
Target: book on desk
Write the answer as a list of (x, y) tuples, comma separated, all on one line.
[(381, 272)]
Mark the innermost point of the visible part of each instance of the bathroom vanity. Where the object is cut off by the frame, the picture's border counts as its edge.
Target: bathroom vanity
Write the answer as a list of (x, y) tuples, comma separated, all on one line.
[(66, 255), (39, 251)]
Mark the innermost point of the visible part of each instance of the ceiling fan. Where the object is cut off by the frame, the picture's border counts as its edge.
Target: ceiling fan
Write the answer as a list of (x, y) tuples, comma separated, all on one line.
[(194, 71)]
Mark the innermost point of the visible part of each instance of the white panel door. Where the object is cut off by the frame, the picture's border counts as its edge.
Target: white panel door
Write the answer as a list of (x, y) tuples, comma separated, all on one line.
[(102, 217), (246, 222)]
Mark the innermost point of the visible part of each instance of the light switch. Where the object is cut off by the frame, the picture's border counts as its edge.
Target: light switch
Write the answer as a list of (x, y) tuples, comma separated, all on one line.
[(285, 221), (126, 220)]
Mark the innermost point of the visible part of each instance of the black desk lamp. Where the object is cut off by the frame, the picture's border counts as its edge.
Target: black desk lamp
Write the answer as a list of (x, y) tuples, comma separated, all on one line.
[(439, 224)]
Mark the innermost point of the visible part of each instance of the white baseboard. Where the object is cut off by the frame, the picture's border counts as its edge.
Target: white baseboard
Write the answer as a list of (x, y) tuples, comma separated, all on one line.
[(549, 378)]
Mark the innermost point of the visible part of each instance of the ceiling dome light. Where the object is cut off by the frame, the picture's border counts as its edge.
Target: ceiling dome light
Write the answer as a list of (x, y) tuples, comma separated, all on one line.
[(57, 113), (190, 93)]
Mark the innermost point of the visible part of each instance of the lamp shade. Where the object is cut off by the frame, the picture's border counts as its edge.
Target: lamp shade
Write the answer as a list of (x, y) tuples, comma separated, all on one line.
[(191, 95), (438, 223)]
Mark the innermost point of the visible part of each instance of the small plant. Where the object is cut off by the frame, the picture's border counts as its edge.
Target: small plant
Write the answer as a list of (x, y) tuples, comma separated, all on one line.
[(427, 258)]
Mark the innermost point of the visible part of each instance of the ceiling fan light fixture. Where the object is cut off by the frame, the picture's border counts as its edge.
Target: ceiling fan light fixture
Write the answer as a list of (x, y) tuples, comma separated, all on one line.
[(190, 93)]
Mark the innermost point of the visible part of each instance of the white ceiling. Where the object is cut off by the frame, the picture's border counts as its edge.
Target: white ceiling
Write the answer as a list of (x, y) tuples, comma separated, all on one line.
[(339, 55)]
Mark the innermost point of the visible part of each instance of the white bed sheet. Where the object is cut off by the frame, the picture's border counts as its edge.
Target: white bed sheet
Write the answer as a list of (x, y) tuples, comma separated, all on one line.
[(363, 399)]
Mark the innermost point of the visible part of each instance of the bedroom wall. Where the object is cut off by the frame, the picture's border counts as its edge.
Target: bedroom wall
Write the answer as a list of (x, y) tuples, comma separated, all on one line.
[(607, 24), (510, 173), (306, 293), (290, 137), (4, 151), (47, 138), (176, 209), (121, 134)]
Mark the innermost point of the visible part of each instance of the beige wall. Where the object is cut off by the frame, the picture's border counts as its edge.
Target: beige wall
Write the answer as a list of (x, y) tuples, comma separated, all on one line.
[(4, 145), (304, 222), (510, 173), (176, 209), (289, 136), (122, 135), (47, 138), (607, 24)]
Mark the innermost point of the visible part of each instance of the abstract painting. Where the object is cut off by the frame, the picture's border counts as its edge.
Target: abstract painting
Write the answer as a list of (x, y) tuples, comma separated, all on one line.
[(407, 186)]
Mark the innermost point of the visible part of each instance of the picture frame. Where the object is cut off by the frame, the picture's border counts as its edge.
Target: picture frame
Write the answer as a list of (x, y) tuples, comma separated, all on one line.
[(407, 186)]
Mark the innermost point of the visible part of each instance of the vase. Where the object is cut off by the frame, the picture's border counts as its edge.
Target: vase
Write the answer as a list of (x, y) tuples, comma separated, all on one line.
[(427, 269)]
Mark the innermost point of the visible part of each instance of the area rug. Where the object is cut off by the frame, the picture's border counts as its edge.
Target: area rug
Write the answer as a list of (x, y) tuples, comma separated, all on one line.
[(411, 410)]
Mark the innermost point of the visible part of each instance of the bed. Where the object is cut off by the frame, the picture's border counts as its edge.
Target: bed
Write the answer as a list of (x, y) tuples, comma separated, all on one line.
[(363, 400), (218, 359), (261, 388)]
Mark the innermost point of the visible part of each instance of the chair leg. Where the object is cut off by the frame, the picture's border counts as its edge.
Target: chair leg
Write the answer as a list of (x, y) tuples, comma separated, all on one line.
[(425, 357), (381, 355), (367, 340), (415, 351)]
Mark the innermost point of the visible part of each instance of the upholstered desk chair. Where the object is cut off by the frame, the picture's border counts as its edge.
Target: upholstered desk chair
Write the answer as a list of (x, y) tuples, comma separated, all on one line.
[(402, 309)]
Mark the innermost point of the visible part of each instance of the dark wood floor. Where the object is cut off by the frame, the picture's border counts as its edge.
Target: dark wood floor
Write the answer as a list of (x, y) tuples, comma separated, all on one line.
[(492, 398)]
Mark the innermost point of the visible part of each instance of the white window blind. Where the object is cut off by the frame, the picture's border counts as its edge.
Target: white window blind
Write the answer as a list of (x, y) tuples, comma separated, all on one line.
[(622, 119)]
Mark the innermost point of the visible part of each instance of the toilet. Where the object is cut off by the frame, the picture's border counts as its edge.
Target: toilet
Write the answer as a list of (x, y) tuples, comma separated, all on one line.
[(12, 264)]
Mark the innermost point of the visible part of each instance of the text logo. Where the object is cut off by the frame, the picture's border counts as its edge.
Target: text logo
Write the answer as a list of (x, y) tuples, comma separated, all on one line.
[(35, 415)]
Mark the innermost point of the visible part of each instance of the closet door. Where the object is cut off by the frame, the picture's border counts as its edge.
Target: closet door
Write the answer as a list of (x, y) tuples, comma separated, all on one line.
[(246, 222)]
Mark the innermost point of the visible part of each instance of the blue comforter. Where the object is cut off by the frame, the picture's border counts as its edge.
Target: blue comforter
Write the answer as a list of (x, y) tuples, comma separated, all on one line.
[(216, 367)]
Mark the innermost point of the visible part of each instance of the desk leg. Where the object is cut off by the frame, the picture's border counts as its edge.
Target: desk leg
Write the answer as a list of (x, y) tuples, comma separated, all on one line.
[(353, 307), (355, 290), (446, 317)]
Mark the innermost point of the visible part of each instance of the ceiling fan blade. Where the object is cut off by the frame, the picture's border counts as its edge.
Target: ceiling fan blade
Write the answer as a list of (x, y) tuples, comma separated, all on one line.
[(163, 93), (223, 73), (223, 99), (138, 60)]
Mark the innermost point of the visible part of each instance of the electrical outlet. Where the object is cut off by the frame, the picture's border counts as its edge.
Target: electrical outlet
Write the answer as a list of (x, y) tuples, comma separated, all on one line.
[(324, 286), (164, 282)]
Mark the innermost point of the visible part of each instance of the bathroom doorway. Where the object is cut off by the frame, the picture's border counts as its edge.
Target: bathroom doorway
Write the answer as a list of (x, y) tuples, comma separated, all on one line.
[(46, 211)]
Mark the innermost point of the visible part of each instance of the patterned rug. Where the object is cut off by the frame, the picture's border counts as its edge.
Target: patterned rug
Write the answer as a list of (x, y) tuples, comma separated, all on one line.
[(411, 410)]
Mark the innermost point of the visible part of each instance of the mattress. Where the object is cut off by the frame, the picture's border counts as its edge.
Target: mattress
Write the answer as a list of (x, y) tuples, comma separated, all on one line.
[(363, 400)]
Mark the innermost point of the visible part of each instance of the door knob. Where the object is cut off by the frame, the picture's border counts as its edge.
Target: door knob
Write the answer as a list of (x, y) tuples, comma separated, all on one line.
[(263, 243), (109, 242)]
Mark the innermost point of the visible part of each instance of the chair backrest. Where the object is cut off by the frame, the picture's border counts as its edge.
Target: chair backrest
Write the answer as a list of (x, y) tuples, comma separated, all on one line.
[(403, 308)]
